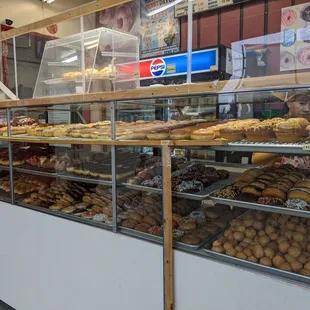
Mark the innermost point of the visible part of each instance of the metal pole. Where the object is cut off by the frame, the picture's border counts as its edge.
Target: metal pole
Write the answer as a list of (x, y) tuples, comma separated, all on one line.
[(15, 67), (8, 120), (189, 40), (113, 163), (82, 54)]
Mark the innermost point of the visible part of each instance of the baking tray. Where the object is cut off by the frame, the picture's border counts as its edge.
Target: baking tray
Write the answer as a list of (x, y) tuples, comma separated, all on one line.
[(70, 217), (202, 195), (70, 177), (35, 171), (260, 207), (247, 264)]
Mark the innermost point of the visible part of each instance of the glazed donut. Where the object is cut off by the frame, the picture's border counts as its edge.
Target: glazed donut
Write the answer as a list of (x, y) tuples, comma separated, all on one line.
[(130, 223), (187, 223), (203, 134), (201, 233), (155, 230), (288, 17), (191, 239), (123, 19), (160, 135), (143, 227), (286, 60), (180, 134)]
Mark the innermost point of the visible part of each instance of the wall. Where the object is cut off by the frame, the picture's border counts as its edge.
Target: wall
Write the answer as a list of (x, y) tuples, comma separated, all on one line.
[(24, 12), (48, 263)]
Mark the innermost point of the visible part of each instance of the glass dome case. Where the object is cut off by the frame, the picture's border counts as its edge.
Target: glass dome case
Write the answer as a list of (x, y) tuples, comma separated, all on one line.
[(98, 60)]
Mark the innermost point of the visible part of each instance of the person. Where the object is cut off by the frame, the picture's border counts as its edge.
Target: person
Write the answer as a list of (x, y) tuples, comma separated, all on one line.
[(297, 105)]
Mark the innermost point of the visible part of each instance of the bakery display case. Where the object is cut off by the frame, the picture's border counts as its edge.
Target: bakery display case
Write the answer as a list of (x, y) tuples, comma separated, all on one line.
[(107, 166), (101, 59)]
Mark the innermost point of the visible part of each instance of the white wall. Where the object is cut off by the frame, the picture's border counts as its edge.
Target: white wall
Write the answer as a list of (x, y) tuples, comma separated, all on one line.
[(48, 263), (24, 12)]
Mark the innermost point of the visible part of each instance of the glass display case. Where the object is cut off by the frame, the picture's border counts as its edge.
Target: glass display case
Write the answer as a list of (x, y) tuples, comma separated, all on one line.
[(239, 186), (102, 59)]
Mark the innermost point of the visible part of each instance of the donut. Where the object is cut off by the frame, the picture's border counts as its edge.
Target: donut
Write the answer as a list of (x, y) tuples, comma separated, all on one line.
[(135, 216), (187, 223), (177, 234), (205, 134), (151, 220), (305, 14), (155, 230), (288, 17), (160, 135), (123, 19), (130, 223), (286, 60), (143, 227), (180, 134), (303, 56), (201, 233), (274, 192), (191, 239)]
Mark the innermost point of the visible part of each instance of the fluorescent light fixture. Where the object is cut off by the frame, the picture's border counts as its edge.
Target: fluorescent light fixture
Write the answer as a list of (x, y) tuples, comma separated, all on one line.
[(48, 1), (165, 7), (71, 59), (91, 42), (92, 46)]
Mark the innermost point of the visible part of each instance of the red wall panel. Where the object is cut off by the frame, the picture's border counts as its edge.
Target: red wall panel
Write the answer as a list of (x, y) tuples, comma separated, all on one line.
[(208, 29), (253, 19), (301, 1), (183, 27), (274, 14), (230, 25)]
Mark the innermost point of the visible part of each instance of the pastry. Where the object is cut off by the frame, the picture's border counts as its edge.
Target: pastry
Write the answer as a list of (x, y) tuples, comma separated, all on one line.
[(203, 134), (100, 217), (135, 216), (231, 133), (130, 223), (259, 133), (201, 233), (177, 234), (274, 192), (187, 223), (191, 239), (211, 215), (297, 204), (68, 210), (270, 201), (300, 193), (143, 227), (288, 132), (251, 190), (156, 230), (157, 135)]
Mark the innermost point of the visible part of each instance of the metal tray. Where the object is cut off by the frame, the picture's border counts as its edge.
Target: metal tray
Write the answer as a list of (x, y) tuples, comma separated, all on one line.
[(35, 171), (260, 207), (202, 195), (257, 267), (70, 177), (70, 217)]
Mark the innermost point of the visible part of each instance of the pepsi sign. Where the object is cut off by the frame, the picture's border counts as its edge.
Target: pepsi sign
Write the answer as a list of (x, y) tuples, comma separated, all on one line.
[(158, 67)]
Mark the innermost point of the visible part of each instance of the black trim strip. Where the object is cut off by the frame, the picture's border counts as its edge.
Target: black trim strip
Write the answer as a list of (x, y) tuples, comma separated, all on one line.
[(219, 26), (4, 306), (241, 21), (266, 11)]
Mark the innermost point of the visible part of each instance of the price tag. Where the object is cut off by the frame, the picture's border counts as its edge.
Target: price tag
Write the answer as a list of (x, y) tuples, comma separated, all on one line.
[(306, 147), (112, 76), (137, 74), (244, 160)]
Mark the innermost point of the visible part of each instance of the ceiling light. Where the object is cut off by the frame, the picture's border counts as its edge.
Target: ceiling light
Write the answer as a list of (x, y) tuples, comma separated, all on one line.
[(163, 8), (48, 1)]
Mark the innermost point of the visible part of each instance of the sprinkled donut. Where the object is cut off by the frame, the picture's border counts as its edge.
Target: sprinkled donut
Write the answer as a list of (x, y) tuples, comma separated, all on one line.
[(303, 56), (288, 17)]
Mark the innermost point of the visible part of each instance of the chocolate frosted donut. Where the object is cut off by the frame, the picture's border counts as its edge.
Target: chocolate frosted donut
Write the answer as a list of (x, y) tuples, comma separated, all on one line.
[(305, 14)]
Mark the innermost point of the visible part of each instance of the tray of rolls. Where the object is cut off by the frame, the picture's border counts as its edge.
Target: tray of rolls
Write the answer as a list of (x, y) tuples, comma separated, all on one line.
[(276, 243), (280, 189)]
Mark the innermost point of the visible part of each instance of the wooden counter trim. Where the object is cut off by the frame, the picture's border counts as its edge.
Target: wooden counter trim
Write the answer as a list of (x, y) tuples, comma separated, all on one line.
[(76, 12), (207, 88)]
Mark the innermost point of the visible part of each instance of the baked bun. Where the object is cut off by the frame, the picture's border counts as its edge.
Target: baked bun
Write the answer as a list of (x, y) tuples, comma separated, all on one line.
[(203, 134), (289, 132)]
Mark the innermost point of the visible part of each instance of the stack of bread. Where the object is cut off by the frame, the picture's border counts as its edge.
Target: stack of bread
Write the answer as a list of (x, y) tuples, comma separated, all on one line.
[(272, 240)]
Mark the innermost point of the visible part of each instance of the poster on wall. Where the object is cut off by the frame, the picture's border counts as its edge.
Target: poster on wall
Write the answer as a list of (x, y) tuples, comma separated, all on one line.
[(123, 17), (295, 37), (159, 33)]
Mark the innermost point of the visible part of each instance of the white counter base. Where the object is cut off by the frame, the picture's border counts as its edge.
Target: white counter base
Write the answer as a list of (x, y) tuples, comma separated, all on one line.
[(49, 263)]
